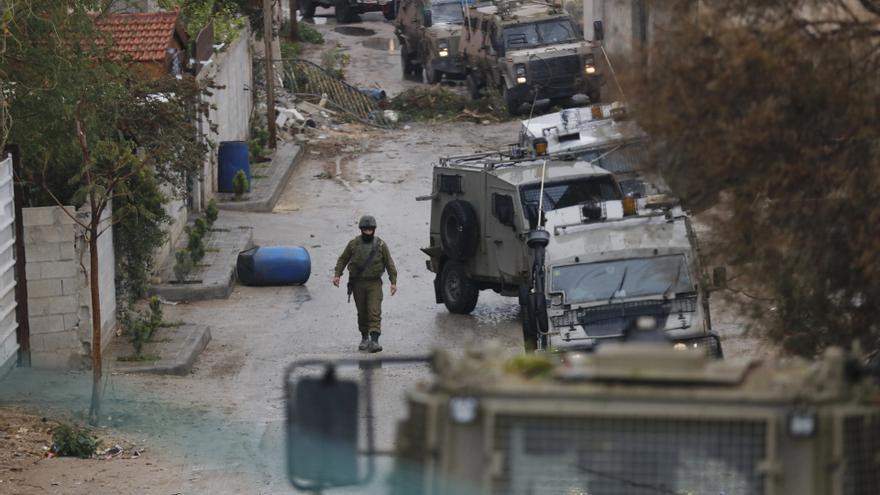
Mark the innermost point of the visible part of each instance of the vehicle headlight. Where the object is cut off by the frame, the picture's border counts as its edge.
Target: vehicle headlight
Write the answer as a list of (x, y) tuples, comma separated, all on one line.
[(680, 346), (646, 323), (589, 65), (555, 299), (443, 50), (520, 71), (463, 410)]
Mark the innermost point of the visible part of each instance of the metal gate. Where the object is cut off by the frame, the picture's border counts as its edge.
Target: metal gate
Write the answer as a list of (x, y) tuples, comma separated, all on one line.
[(307, 79), (8, 325)]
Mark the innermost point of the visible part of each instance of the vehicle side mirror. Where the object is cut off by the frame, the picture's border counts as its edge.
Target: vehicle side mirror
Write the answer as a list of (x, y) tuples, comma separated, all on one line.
[(598, 31), (322, 432), (719, 277), (428, 18)]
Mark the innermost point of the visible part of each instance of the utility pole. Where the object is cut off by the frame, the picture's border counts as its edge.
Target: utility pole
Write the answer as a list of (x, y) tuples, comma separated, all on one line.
[(270, 73)]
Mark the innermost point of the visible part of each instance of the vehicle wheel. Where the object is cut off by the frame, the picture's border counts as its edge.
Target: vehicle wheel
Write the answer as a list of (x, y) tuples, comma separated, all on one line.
[(459, 293), (432, 76), (343, 11), (405, 62), (459, 230), (307, 8), (511, 102), (389, 11), (473, 87)]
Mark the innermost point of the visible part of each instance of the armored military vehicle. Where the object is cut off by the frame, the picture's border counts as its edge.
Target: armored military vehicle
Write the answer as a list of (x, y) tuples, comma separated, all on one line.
[(482, 208), (529, 51), (347, 10), (429, 33), (633, 420), (587, 263)]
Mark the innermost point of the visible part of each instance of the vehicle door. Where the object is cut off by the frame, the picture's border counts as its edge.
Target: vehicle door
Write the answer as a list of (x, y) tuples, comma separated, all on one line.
[(503, 242)]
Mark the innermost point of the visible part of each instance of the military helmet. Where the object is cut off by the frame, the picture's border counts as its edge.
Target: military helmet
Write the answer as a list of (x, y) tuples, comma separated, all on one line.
[(367, 222)]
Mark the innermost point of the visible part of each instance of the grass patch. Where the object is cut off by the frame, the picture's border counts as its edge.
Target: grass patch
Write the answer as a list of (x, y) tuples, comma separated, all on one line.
[(145, 358), (172, 324), (258, 176), (212, 250), (432, 103)]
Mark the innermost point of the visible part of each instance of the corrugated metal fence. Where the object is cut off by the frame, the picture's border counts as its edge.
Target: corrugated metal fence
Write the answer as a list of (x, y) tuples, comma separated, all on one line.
[(8, 343)]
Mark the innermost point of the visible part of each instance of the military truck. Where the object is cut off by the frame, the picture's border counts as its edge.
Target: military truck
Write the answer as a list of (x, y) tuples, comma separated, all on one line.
[(633, 420), (528, 51), (429, 32), (348, 10)]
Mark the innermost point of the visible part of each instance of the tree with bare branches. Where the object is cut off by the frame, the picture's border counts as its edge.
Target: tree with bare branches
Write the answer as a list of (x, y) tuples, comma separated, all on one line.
[(768, 112)]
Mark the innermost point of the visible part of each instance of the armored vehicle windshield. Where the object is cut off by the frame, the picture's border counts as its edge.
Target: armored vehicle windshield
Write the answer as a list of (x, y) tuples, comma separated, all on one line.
[(570, 192), (446, 13), (533, 34), (625, 279)]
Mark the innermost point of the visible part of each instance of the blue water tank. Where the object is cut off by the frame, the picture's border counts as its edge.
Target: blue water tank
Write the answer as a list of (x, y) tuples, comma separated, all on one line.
[(232, 157), (274, 265)]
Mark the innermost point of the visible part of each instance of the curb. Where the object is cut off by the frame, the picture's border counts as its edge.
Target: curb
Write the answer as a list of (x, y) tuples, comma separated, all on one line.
[(291, 154), (182, 362), (219, 288)]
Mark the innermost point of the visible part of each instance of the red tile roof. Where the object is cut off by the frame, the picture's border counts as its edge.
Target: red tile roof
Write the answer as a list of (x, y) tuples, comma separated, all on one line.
[(143, 36)]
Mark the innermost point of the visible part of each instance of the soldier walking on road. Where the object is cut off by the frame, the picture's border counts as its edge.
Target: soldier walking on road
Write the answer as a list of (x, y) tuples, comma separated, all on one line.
[(367, 257)]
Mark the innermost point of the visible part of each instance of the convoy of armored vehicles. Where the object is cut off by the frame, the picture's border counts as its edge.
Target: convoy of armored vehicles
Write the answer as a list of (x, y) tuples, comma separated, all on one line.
[(605, 266), (527, 51)]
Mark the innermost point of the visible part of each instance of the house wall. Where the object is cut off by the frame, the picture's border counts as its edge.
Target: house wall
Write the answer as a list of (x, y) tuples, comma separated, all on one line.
[(59, 296), (629, 24), (232, 71)]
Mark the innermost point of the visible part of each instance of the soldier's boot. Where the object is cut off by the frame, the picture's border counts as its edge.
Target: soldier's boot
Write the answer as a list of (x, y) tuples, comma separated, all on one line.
[(365, 342), (374, 343)]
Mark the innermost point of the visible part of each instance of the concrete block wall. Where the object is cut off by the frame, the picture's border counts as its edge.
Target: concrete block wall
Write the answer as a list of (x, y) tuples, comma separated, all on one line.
[(59, 297)]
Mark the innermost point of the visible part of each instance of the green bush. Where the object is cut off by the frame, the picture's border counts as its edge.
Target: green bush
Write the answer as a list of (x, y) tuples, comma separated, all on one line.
[(211, 212), (73, 441), (334, 61), (142, 326), (195, 244), (200, 226), (183, 265), (291, 50), (308, 34), (239, 184)]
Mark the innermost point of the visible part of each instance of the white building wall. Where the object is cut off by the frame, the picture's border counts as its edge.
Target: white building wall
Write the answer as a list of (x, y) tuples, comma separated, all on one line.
[(232, 71), (8, 324)]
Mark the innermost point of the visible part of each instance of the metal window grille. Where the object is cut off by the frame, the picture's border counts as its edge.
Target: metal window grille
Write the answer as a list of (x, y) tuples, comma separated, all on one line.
[(861, 445), (629, 456)]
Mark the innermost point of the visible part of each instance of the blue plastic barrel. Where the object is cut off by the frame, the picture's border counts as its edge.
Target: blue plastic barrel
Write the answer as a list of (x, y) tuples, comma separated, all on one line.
[(232, 157), (274, 265)]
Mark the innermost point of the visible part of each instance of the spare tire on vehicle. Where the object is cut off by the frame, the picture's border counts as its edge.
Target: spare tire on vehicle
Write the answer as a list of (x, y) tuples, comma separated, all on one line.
[(459, 230)]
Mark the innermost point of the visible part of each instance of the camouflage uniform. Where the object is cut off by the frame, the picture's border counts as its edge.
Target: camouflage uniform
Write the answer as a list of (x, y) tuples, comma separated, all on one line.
[(367, 287)]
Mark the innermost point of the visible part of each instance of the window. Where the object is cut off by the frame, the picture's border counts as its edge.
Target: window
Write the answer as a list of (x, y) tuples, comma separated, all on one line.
[(502, 209), (450, 184)]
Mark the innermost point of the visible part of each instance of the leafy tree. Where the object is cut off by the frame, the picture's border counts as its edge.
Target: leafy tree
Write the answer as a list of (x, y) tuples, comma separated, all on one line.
[(96, 131), (767, 112)]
